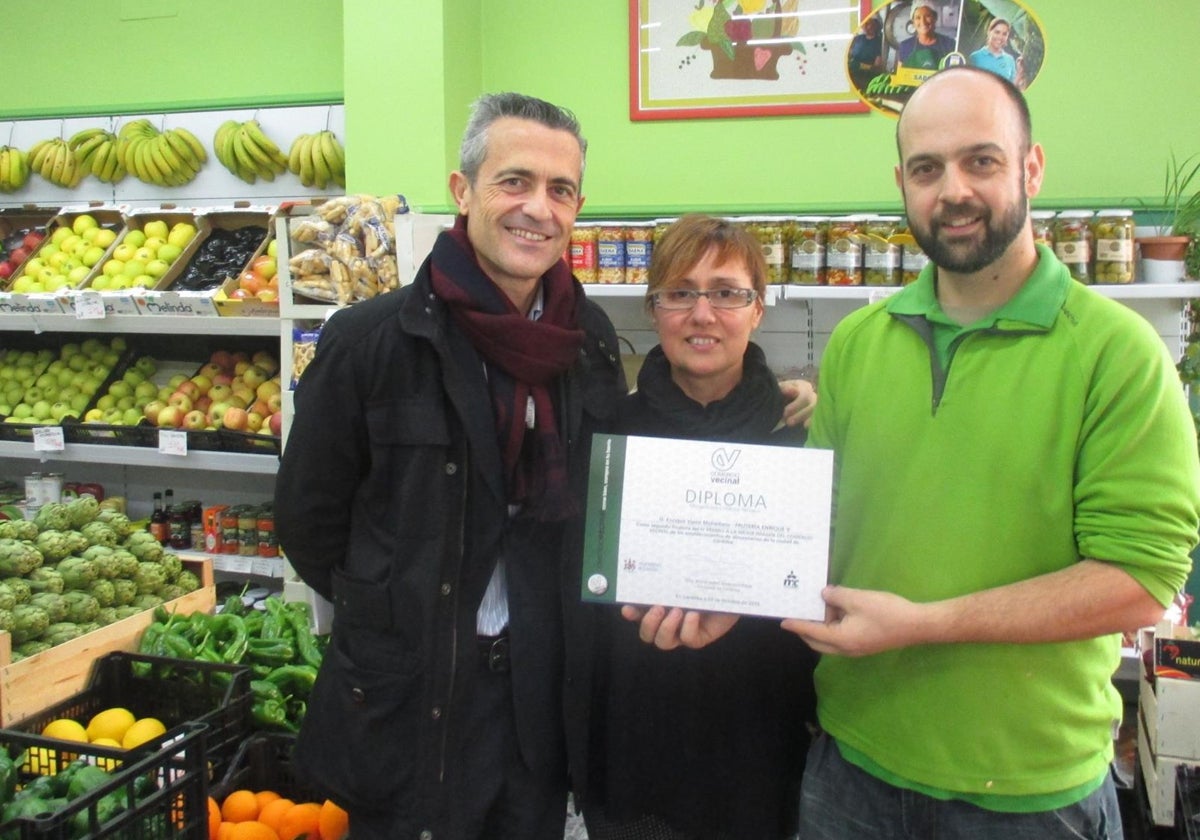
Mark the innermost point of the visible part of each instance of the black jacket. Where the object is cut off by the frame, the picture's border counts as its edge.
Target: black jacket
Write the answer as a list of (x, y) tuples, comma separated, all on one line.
[(390, 502)]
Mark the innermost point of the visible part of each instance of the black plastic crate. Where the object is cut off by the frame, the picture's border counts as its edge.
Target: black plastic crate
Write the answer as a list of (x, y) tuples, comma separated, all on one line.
[(249, 442), (1187, 802), (265, 762), (167, 785), (175, 691)]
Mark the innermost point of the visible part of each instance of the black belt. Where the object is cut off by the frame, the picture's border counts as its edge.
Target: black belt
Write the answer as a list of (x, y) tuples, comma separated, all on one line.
[(493, 652)]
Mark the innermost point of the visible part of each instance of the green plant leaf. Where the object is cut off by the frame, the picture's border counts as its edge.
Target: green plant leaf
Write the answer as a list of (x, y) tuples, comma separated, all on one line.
[(716, 25), (690, 39)]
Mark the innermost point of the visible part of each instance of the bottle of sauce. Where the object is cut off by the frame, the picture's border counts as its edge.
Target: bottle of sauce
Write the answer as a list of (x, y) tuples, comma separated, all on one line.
[(158, 521)]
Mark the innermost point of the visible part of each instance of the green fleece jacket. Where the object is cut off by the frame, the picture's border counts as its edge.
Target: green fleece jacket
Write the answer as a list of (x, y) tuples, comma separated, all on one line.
[(1058, 430)]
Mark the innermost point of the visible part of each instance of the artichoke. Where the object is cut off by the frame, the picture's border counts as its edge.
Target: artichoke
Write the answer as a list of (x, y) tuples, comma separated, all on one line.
[(150, 578), (188, 581), (89, 626), (106, 616), (147, 601), (53, 516), (144, 546), (45, 579), (124, 591), (126, 610), (172, 565), (8, 598), (29, 622), (54, 605), (119, 522), (125, 562), (18, 557), (171, 591), (30, 648), (98, 533), (18, 529), (77, 573), (103, 591), (81, 607), (94, 551), (77, 542), (53, 545), (6, 620), (61, 631), (83, 510), (20, 589)]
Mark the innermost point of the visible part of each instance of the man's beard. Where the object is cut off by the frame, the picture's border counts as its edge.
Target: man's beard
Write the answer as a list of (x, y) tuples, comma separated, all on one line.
[(968, 257)]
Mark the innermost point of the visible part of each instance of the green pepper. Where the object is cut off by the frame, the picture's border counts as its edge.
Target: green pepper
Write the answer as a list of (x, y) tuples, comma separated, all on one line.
[(150, 637), (272, 714), (295, 680), (254, 623), (265, 690), (234, 605), (273, 652), (87, 778), (305, 643), (177, 646), (9, 773), (229, 633), (31, 806)]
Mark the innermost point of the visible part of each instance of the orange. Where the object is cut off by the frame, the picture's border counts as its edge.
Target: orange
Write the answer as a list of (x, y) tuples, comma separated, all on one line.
[(252, 830), (273, 810), (265, 796), (225, 830), (240, 806), (214, 819), (333, 821), (299, 820)]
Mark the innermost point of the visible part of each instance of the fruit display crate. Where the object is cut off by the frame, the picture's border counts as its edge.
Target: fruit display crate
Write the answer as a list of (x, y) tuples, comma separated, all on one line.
[(175, 691), (1187, 803), (166, 782), (36, 682), (265, 762)]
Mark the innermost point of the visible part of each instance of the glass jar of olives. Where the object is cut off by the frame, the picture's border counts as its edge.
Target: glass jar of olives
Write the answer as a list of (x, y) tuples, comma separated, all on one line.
[(769, 231), (912, 259), (807, 251), (881, 255), (1072, 242), (1112, 232), (843, 251), (1043, 227)]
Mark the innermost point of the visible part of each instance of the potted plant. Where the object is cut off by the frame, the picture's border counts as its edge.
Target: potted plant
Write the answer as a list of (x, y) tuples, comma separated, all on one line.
[(1175, 237)]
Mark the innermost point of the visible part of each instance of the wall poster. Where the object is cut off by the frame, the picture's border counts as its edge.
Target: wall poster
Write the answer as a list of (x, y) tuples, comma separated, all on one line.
[(741, 58)]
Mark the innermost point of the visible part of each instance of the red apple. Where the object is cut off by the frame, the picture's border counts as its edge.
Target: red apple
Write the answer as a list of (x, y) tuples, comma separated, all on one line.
[(170, 418), (210, 370), (181, 401), (195, 420), (6, 269), (152, 408), (235, 418), (254, 376), (240, 366), (246, 395), (202, 402), (223, 379), (266, 361), (275, 423), (18, 255), (189, 388), (32, 240), (203, 383), (260, 408)]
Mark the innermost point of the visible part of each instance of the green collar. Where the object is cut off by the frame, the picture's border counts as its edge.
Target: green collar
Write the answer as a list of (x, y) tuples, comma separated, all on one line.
[(1036, 304)]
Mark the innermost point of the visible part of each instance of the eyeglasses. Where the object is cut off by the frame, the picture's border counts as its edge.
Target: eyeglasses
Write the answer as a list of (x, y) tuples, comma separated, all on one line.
[(717, 298)]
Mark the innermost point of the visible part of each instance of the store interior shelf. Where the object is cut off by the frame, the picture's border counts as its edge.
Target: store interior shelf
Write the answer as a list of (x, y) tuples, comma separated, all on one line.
[(139, 456), (145, 324)]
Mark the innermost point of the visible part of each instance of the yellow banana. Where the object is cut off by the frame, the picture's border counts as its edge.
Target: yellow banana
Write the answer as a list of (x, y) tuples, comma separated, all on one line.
[(36, 154), (61, 153), (221, 143), (100, 159), (189, 164), (263, 164), (243, 164), (157, 175), (166, 160), (306, 163), (83, 136), (193, 143), (87, 150), (331, 151), (6, 179), (276, 161), (137, 128), (320, 167), (294, 154), (71, 171)]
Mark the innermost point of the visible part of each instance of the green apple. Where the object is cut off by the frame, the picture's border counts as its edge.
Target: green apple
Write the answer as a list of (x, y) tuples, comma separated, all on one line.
[(120, 388), (145, 254), (145, 389), (113, 267), (101, 283), (273, 248), (157, 267), (89, 235), (168, 253), (181, 234), (57, 283), (125, 251), (131, 417), (23, 285), (133, 268), (76, 276), (121, 281), (69, 244), (61, 233), (104, 237), (135, 237), (143, 281), (22, 411), (40, 409), (92, 255), (79, 402), (84, 221), (34, 266), (156, 227), (154, 243)]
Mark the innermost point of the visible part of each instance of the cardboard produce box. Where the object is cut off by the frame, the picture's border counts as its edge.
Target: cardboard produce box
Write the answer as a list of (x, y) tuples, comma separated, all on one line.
[(1168, 715), (36, 682)]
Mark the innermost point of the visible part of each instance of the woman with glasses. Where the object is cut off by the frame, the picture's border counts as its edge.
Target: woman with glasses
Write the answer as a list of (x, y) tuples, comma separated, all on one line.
[(701, 743)]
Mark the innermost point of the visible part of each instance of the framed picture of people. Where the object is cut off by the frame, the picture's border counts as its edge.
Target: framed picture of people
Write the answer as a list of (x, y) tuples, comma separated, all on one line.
[(902, 43), (728, 58)]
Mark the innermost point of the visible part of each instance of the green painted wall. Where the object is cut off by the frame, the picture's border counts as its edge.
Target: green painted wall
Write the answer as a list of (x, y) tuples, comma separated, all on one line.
[(1113, 98), (127, 56)]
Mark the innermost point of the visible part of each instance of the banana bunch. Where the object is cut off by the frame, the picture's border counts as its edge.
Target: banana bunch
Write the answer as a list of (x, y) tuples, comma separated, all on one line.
[(14, 169), (318, 159), (247, 152), (55, 161), (96, 150), (168, 158)]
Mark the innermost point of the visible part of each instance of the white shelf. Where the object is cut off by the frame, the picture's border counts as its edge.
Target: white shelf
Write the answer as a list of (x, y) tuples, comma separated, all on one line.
[(1131, 291), (144, 456), (155, 324)]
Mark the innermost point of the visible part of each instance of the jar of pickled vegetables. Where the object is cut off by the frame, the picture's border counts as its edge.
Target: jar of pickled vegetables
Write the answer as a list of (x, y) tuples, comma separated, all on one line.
[(583, 252), (1072, 242), (661, 225), (610, 253), (806, 235), (769, 231), (843, 251), (639, 242), (881, 255), (912, 259), (1043, 227), (1112, 233)]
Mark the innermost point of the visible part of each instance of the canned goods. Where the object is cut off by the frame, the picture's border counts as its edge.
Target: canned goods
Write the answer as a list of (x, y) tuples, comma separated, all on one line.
[(33, 491), (583, 252), (661, 225), (1112, 233), (1043, 227), (881, 255), (610, 253), (1072, 242), (843, 252), (52, 487), (229, 530), (247, 528), (639, 244), (806, 251), (769, 231)]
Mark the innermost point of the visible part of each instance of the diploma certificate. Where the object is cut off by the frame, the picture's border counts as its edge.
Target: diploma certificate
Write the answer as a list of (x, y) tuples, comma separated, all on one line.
[(724, 527)]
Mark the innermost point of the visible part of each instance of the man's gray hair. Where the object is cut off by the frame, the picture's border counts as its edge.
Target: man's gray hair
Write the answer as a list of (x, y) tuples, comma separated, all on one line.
[(493, 106)]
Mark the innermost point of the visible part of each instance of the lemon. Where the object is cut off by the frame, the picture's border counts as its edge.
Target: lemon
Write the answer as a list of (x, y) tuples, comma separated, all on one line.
[(65, 729), (103, 762), (110, 724), (141, 731)]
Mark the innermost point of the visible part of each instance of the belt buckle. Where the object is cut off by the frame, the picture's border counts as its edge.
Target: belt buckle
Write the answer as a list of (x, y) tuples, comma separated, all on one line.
[(497, 655)]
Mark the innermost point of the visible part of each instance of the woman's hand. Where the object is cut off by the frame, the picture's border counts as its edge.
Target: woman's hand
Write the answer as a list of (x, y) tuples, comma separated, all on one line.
[(668, 629)]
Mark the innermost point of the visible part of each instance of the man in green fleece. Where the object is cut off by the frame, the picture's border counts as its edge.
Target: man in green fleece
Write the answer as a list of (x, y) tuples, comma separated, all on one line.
[(1017, 482)]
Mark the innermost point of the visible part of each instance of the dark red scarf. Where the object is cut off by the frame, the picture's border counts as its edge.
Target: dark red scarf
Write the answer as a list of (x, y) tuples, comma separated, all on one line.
[(523, 359)]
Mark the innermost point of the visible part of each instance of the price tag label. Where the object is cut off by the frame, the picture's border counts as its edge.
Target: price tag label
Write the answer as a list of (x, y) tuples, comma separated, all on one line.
[(172, 443), (89, 305), (267, 567), (48, 439)]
